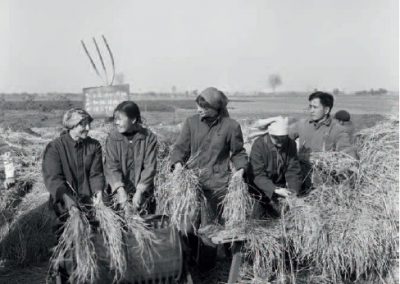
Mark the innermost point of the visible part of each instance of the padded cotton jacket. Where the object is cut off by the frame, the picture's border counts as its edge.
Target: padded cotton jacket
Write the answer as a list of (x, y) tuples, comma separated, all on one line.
[(272, 168), (130, 163), (63, 173), (328, 135), (210, 149)]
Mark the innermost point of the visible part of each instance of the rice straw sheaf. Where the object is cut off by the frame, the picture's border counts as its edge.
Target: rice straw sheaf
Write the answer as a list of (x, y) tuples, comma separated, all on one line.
[(143, 235), (237, 203), (179, 197), (346, 228), (110, 225), (266, 249), (333, 168), (76, 241)]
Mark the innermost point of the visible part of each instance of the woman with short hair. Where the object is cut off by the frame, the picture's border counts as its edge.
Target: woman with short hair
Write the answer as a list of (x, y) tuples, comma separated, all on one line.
[(73, 172)]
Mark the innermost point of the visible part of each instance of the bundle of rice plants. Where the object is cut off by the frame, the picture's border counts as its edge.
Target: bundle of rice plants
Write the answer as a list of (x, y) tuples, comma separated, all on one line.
[(237, 203), (141, 231), (333, 168), (266, 249), (111, 229), (76, 241), (346, 229), (179, 197)]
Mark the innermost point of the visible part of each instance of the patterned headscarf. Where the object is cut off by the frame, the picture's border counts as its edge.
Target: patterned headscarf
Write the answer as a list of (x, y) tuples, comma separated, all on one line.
[(216, 99), (74, 116)]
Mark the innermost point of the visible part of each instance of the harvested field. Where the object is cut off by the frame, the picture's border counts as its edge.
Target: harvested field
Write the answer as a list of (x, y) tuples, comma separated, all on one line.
[(344, 231)]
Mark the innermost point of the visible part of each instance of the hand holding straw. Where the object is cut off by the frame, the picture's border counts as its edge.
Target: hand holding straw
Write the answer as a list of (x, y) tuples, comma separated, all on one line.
[(121, 197), (282, 192)]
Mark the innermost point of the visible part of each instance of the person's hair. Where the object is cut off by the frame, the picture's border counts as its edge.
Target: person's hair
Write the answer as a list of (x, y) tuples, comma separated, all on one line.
[(202, 102), (342, 115), (130, 109), (326, 99)]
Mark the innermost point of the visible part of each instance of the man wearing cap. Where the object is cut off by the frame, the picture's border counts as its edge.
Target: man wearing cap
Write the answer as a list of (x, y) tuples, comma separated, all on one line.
[(209, 141), (275, 168), (343, 117), (73, 171)]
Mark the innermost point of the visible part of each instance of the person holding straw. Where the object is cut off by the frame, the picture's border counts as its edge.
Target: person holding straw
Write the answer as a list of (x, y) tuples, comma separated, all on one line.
[(73, 174), (275, 168), (209, 141), (131, 159)]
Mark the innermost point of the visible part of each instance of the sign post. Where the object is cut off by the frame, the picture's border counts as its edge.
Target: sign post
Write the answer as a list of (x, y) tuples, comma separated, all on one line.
[(101, 101)]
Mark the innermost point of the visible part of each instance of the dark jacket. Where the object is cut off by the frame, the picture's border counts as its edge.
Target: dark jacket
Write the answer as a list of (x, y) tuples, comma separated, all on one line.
[(130, 163), (77, 163), (271, 168), (210, 148), (328, 135)]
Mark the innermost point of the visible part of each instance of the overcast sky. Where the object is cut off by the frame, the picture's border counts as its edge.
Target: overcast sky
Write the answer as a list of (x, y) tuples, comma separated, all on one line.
[(230, 44)]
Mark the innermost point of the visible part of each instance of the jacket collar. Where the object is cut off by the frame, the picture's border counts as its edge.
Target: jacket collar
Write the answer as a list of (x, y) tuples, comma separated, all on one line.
[(217, 120), (70, 141), (325, 122), (140, 135)]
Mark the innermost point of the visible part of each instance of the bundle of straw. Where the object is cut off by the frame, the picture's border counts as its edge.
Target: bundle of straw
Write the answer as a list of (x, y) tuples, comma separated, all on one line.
[(346, 229), (237, 203), (267, 250), (333, 167), (179, 197), (76, 241), (110, 225), (143, 235)]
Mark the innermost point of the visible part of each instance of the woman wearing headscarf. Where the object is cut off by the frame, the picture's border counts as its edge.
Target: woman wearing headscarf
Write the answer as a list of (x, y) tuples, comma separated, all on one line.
[(130, 159), (209, 141), (73, 172)]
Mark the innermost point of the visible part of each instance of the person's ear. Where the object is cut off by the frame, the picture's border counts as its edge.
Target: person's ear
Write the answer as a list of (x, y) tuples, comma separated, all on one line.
[(327, 110), (134, 121)]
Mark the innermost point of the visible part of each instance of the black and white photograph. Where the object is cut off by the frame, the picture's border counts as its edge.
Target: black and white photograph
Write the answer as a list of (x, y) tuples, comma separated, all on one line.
[(199, 142)]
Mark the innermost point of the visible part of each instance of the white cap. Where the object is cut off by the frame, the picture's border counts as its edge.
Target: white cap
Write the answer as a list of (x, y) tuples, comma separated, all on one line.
[(279, 127)]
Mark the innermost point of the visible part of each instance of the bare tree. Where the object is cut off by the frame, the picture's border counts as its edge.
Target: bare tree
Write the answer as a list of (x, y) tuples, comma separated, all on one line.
[(274, 80)]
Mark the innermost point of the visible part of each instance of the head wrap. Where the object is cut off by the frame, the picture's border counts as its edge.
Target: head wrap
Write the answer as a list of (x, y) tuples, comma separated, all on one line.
[(342, 115), (278, 126), (216, 99), (74, 116)]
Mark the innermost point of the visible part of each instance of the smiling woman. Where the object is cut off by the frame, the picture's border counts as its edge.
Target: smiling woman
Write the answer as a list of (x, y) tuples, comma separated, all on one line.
[(130, 163)]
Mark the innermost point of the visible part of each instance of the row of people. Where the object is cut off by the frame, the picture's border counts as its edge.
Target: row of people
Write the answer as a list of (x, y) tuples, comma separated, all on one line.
[(74, 171)]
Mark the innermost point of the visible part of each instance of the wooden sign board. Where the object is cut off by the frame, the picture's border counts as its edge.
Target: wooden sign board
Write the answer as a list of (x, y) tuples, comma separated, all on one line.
[(101, 101)]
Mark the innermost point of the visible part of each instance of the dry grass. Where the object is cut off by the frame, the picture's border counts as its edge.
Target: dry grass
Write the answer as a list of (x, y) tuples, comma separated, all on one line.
[(237, 203), (143, 236), (76, 246), (111, 229), (179, 197), (347, 228)]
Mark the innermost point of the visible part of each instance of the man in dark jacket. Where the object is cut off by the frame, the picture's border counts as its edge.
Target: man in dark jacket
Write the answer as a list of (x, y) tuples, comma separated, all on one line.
[(274, 164), (73, 171)]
